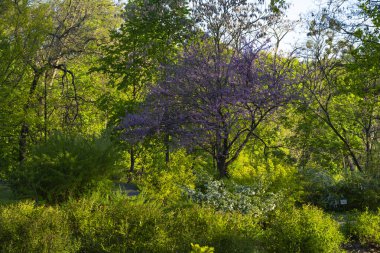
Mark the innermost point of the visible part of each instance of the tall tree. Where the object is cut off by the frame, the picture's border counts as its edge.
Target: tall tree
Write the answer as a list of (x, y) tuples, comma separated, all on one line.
[(222, 87), (150, 36), (341, 83), (23, 26), (213, 105), (364, 74)]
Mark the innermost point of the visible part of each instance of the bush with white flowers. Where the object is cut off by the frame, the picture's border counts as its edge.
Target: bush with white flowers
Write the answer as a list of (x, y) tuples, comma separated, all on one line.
[(234, 197)]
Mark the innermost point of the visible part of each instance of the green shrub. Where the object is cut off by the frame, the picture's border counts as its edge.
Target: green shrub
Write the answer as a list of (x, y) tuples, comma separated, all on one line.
[(365, 227), (113, 222), (164, 182), (362, 191), (226, 232), (157, 179), (117, 224), (196, 248), (121, 224), (271, 172), (323, 189), (66, 165), (303, 230), (25, 228)]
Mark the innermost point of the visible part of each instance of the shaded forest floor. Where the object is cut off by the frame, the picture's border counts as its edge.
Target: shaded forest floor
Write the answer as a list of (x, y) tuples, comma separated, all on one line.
[(6, 195), (356, 247)]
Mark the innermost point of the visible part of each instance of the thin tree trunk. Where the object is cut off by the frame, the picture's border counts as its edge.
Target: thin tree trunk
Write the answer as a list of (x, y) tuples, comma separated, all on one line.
[(22, 141), (132, 164), (329, 122), (45, 110), (167, 148), (221, 159), (24, 126), (132, 160), (46, 85)]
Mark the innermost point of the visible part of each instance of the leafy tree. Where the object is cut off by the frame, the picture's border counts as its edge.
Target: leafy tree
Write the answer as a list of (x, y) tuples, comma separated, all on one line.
[(364, 73), (222, 86), (148, 37), (22, 27), (236, 23), (151, 35), (340, 87), (41, 42)]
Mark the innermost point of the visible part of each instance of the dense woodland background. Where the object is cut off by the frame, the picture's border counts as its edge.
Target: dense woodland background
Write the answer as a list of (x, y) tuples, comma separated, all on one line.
[(231, 143)]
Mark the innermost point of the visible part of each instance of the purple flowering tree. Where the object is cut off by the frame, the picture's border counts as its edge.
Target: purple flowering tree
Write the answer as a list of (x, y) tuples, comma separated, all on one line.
[(221, 88), (213, 102)]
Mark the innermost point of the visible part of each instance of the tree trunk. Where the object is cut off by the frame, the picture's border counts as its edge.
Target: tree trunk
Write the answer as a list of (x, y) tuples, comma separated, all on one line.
[(22, 141), (167, 148), (133, 160), (221, 155), (24, 126), (132, 164), (222, 167)]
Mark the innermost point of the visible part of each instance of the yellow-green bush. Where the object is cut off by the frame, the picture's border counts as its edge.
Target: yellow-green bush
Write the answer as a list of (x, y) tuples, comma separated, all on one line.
[(271, 172), (226, 232), (117, 224), (365, 227), (25, 228), (123, 224), (196, 248), (165, 182), (303, 230)]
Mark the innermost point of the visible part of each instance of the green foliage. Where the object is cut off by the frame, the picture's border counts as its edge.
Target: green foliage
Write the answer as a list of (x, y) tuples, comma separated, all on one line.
[(116, 224), (26, 228), (316, 144), (23, 28), (120, 224), (113, 222), (360, 191), (148, 37), (315, 185), (196, 248), (342, 108), (272, 172), (6, 195), (226, 232), (325, 148), (165, 182), (326, 190), (66, 165), (257, 184), (364, 227), (46, 49), (303, 230)]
